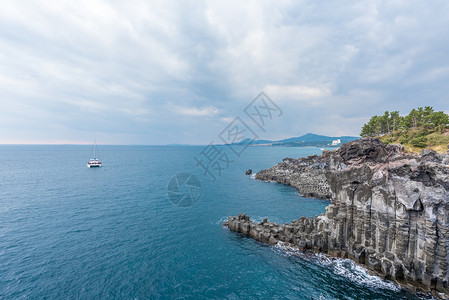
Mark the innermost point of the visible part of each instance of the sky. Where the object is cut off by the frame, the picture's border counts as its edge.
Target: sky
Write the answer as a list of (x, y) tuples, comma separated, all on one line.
[(162, 72)]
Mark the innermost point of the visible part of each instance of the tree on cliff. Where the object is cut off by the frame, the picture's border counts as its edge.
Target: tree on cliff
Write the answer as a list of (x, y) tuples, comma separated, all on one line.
[(391, 122), (440, 119)]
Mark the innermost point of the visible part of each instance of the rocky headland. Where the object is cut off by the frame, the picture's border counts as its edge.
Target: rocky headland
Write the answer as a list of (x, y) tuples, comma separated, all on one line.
[(389, 211)]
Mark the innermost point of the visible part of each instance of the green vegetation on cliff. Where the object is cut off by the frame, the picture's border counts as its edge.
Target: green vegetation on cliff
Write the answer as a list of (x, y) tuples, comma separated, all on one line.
[(421, 128)]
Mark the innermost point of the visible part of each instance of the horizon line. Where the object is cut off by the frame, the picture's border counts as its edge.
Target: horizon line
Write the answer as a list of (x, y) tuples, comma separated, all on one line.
[(74, 144)]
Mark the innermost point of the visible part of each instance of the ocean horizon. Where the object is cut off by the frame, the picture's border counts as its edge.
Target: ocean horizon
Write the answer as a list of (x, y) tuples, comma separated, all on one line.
[(68, 231)]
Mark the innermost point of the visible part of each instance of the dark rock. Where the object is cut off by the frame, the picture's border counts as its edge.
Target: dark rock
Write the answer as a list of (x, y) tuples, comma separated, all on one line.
[(272, 240), (249, 172), (389, 210)]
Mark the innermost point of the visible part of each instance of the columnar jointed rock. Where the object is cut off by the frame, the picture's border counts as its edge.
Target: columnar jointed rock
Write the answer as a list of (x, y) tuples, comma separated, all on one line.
[(389, 210)]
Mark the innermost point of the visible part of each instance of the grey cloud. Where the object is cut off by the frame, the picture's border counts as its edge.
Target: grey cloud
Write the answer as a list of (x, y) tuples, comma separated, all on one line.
[(125, 69)]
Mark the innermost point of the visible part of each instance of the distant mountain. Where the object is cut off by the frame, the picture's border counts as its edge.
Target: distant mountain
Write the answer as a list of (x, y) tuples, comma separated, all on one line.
[(309, 137), (260, 142), (306, 140)]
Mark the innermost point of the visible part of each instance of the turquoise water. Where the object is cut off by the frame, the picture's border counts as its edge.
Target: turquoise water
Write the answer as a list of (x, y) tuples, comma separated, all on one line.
[(69, 232)]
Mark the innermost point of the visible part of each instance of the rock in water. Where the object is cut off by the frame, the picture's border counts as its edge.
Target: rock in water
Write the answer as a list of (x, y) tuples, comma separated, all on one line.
[(249, 172), (389, 210)]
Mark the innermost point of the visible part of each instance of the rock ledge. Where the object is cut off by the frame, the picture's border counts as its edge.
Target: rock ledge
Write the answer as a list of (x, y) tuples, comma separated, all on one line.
[(389, 211)]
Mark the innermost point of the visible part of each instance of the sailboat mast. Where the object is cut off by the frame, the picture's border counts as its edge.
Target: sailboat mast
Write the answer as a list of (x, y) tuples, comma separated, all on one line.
[(95, 149)]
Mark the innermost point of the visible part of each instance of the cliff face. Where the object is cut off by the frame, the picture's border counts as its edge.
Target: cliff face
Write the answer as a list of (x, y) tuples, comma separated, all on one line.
[(306, 174), (389, 210)]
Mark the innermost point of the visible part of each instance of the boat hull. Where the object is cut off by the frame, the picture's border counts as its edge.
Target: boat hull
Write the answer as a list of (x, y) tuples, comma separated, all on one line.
[(93, 166)]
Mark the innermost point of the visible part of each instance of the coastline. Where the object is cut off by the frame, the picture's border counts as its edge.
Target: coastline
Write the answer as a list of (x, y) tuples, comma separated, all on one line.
[(291, 247), (388, 211)]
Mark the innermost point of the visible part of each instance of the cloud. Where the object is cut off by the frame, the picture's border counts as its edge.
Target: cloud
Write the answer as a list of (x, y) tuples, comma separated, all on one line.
[(297, 91), (144, 73), (196, 112), (227, 119)]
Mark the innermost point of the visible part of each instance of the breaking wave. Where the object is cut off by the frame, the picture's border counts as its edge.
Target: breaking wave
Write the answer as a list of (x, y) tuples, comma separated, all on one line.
[(342, 267)]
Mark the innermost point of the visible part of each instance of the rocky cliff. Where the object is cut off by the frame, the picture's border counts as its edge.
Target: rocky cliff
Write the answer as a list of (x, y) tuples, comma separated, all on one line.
[(389, 210)]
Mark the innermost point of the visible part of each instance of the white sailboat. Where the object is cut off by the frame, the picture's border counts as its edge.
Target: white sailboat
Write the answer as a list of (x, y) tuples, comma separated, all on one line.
[(94, 162)]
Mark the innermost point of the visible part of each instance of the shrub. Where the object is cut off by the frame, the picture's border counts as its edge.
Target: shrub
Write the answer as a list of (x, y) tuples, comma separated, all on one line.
[(420, 142), (388, 141), (423, 133), (435, 139)]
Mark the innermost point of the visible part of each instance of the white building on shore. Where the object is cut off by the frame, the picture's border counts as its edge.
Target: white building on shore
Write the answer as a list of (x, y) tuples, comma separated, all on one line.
[(336, 142)]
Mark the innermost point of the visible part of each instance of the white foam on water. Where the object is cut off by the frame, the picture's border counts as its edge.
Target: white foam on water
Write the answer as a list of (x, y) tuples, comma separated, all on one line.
[(253, 176), (347, 268), (222, 219), (342, 267)]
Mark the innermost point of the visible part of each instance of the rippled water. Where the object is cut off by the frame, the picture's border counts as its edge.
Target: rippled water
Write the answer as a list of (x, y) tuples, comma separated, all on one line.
[(67, 231)]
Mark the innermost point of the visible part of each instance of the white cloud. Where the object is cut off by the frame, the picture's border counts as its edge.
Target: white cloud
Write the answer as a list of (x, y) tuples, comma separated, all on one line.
[(297, 91), (196, 112), (227, 119)]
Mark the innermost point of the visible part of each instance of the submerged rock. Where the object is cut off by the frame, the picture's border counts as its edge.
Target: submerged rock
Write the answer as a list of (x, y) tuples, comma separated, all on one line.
[(389, 210)]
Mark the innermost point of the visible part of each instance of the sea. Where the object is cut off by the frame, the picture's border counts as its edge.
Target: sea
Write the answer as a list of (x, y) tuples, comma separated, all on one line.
[(120, 232)]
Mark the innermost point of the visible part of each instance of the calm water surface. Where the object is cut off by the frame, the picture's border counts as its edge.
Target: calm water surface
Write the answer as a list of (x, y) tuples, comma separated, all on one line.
[(69, 232)]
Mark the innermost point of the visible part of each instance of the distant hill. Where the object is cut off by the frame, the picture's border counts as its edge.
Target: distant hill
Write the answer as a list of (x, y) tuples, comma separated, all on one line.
[(259, 142), (309, 137), (307, 140)]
